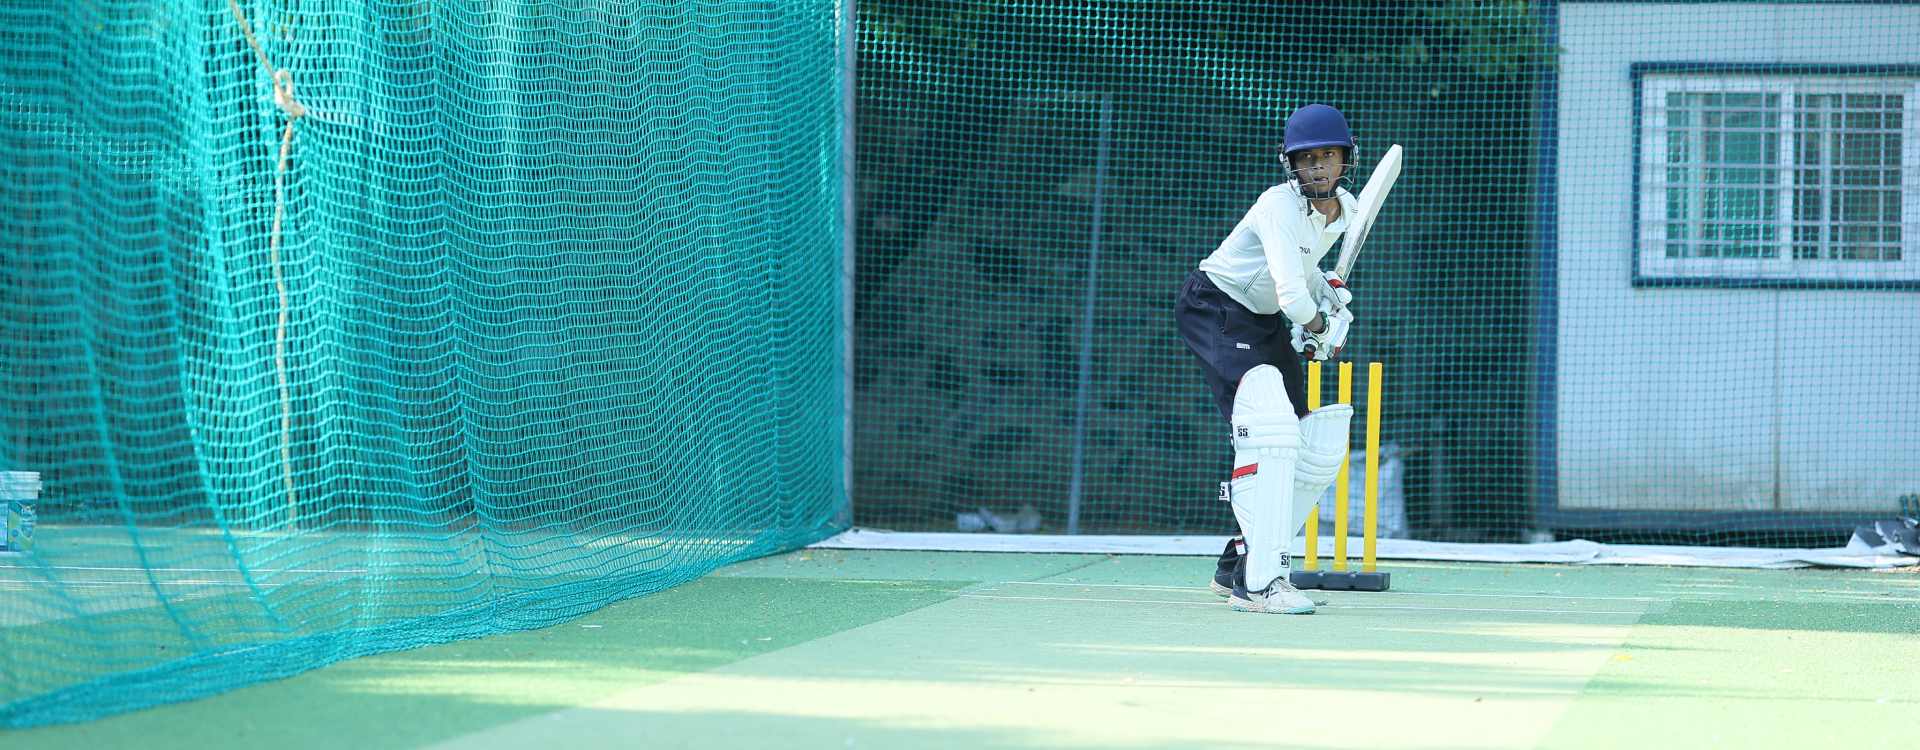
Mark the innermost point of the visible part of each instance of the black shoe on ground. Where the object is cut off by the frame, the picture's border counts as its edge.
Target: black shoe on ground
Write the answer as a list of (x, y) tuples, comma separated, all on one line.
[(1229, 560)]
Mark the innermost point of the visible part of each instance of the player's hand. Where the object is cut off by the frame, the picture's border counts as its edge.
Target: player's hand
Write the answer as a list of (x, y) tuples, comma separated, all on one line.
[(1326, 343), (1342, 295)]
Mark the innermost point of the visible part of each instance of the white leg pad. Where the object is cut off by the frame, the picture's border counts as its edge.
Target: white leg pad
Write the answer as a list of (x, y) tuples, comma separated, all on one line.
[(1266, 443), (1323, 442)]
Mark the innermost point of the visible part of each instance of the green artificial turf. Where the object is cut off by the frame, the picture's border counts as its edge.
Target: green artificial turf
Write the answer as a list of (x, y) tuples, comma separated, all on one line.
[(839, 648), (1775, 674), (409, 698)]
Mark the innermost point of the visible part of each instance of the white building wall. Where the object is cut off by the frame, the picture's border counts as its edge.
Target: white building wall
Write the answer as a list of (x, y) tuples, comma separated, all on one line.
[(1718, 399)]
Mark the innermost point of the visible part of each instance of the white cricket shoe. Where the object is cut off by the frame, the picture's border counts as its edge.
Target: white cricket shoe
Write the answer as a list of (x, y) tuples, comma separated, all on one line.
[(1280, 598)]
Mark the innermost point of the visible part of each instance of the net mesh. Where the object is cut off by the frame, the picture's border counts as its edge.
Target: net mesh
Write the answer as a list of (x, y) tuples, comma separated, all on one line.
[(553, 313), (542, 311), (1610, 291)]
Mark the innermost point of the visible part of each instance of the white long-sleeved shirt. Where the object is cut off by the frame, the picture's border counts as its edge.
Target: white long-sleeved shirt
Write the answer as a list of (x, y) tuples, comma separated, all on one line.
[(1264, 263)]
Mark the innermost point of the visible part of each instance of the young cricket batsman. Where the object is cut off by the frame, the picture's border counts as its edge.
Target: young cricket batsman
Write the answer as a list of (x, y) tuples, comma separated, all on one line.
[(1252, 317)]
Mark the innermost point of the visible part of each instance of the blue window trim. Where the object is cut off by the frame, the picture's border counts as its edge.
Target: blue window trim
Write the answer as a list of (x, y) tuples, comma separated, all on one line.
[(1740, 2), (1637, 73), (1548, 515), (1697, 521)]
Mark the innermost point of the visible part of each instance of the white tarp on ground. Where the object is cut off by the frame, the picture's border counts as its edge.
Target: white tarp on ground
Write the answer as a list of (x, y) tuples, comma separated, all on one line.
[(1579, 551)]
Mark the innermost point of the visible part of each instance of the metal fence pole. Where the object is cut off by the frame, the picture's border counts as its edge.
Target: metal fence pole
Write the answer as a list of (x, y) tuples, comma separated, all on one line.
[(1086, 320)]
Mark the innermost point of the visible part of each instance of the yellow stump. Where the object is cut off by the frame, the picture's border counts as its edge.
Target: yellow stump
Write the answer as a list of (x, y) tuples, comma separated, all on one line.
[(1313, 511), (1340, 494), (1373, 465)]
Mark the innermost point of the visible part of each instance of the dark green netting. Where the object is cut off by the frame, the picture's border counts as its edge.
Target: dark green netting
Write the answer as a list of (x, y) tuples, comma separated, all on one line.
[(554, 319), (563, 295), (1648, 275)]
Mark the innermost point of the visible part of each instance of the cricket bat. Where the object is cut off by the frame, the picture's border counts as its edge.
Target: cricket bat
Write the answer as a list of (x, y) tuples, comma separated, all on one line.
[(1371, 196)]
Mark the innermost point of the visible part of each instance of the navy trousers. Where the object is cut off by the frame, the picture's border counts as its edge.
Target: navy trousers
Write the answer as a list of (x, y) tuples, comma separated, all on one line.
[(1229, 340)]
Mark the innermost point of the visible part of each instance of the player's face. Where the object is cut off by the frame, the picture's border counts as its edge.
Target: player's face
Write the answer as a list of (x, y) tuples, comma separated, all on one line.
[(1320, 167)]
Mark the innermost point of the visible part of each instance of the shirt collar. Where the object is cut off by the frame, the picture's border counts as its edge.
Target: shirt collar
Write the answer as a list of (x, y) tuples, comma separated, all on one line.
[(1319, 220)]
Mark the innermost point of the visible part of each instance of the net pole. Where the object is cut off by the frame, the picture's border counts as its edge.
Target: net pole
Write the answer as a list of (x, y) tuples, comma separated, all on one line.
[(1371, 528), (1340, 488), (1313, 511), (1083, 394), (849, 214)]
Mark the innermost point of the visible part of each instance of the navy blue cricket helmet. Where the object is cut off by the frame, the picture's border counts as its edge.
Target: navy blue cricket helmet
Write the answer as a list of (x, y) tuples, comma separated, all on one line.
[(1319, 126), (1315, 126)]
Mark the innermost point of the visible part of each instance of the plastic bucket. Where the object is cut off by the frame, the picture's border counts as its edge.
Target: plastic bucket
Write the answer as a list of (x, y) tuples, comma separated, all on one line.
[(20, 491)]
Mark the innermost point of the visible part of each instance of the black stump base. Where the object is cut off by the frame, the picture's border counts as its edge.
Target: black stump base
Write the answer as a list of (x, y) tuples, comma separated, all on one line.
[(1341, 580)]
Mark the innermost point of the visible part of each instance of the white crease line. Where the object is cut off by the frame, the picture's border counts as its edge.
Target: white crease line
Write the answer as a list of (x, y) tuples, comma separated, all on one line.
[(69, 584), (1071, 599), (1109, 585), (1471, 609), (1515, 596), (1328, 606), (193, 570), (1344, 592)]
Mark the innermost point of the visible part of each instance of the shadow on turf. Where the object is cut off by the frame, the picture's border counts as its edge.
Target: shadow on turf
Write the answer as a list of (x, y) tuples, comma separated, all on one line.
[(404, 699), (757, 731)]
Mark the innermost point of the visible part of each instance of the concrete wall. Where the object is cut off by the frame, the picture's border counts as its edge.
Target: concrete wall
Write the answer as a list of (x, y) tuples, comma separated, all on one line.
[(1719, 399)]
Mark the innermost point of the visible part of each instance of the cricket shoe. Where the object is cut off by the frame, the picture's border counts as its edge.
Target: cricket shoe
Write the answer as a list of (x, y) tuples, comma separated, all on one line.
[(1280, 598)]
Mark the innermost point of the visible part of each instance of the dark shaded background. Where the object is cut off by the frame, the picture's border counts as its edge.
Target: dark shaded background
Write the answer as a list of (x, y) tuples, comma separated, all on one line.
[(978, 130)]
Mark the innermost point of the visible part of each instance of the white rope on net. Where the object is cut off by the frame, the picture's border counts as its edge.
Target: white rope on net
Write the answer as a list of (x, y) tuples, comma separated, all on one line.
[(282, 97)]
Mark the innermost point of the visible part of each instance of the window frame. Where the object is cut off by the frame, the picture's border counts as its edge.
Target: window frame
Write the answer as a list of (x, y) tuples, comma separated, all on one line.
[(1652, 82)]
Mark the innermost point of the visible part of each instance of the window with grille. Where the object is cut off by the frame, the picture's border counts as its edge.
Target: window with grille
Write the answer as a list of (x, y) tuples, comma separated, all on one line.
[(1749, 178)]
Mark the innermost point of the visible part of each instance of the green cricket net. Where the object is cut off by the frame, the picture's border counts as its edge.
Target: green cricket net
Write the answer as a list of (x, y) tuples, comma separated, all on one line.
[(534, 306), (543, 305), (1648, 275)]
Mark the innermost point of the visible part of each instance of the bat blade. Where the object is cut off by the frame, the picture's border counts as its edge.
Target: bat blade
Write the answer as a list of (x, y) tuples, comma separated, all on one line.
[(1371, 196), (1374, 194)]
